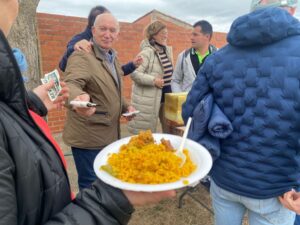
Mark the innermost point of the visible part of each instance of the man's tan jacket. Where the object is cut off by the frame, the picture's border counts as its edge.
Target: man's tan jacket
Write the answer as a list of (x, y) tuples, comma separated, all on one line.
[(90, 73)]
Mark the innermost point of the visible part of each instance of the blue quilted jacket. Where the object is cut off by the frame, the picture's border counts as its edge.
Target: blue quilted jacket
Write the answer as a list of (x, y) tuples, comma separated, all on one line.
[(255, 80)]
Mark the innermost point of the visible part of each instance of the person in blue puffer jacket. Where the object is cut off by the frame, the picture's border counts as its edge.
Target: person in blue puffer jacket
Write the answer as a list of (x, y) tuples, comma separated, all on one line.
[(255, 81)]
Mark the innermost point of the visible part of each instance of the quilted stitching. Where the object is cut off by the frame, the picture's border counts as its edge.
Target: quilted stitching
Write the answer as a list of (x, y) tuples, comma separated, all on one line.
[(255, 82)]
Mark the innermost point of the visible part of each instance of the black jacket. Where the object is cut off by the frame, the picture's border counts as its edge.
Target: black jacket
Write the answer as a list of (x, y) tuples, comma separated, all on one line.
[(194, 58), (34, 187)]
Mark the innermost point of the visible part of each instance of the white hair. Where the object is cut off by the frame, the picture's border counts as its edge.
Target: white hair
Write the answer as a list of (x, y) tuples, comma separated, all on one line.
[(259, 4), (105, 14)]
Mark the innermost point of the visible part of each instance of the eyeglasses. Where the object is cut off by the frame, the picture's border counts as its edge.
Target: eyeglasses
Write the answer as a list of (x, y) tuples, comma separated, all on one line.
[(105, 29), (163, 32)]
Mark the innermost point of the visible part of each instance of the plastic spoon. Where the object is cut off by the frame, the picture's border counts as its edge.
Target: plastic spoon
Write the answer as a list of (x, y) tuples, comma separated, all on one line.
[(179, 151)]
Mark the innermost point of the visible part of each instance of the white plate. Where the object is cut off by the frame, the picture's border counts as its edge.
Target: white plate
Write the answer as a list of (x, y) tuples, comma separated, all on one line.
[(199, 155), (131, 113)]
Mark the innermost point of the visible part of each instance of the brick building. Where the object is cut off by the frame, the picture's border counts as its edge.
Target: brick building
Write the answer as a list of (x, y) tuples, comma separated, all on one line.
[(56, 30)]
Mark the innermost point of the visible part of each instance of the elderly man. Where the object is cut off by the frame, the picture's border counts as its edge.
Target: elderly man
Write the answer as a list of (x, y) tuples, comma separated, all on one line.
[(35, 188), (191, 60), (81, 42), (95, 77), (255, 82)]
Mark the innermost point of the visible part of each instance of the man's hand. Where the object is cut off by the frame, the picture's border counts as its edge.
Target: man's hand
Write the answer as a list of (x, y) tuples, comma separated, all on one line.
[(291, 200), (84, 111), (83, 45), (42, 92), (137, 61), (130, 109), (144, 198)]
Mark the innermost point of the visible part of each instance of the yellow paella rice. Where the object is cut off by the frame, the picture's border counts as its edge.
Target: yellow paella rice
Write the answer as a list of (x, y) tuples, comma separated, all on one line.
[(145, 162)]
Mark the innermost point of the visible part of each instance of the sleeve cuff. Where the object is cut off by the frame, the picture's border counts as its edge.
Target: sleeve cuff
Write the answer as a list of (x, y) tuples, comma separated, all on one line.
[(36, 104)]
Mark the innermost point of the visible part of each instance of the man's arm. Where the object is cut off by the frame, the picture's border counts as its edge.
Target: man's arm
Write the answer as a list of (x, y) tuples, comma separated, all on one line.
[(8, 197), (76, 75), (104, 205), (125, 105), (177, 76), (101, 204)]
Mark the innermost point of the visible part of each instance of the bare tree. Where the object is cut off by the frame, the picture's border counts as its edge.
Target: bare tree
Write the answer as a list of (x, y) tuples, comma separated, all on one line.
[(24, 36)]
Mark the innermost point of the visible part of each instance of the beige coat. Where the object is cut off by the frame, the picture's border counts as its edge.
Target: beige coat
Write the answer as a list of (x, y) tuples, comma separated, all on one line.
[(145, 96), (89, 73)]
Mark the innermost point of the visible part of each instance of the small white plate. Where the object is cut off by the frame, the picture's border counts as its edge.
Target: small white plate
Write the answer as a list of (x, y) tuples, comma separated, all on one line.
[(199, 155), (131, 113)]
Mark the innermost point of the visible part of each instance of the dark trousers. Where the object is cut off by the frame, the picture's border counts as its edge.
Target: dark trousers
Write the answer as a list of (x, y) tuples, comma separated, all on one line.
[(84, 159)]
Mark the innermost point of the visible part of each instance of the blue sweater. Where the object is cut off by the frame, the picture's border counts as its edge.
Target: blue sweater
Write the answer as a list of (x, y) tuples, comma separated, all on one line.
[(255, 80), (87, 35), (209, 124)]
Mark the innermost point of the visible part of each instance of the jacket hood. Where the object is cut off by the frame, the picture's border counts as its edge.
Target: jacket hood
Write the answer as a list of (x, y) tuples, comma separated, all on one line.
[(262, 27), (12, 89), (145, 44)]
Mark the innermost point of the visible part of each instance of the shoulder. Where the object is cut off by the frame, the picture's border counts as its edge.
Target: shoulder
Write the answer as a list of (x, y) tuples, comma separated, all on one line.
[(80, 60), (81, 56), (212, 48), (86, 34), (185, 53), (148, 52)]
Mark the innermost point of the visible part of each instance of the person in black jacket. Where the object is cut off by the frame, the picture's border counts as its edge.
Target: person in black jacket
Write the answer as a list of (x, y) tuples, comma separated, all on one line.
[(81, 42), (34, 186)]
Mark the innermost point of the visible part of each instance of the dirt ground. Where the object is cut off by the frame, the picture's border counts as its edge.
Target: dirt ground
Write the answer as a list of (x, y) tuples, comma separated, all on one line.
[(164, 213)]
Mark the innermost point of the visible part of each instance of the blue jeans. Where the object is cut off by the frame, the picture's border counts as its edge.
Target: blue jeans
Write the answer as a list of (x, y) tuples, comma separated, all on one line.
[(84, 159), (297, 221), (230, 208)]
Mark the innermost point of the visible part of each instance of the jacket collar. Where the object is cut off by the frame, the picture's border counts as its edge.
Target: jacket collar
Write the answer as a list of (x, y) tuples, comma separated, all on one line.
[(145, 44), (101, 54), (211, 49)]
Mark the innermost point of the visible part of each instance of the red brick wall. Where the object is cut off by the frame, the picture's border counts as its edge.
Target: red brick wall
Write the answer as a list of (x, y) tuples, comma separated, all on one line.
[(143, 20), (55, 31)]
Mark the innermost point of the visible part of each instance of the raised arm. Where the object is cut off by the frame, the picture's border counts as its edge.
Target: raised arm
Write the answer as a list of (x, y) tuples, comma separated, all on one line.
[(86, 35)]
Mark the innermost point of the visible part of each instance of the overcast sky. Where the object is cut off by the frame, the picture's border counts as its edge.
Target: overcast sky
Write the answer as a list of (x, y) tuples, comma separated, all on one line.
[(220, 13)]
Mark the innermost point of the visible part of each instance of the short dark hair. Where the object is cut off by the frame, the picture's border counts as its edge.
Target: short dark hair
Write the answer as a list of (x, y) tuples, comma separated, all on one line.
[(97, 10), (206, 27)]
